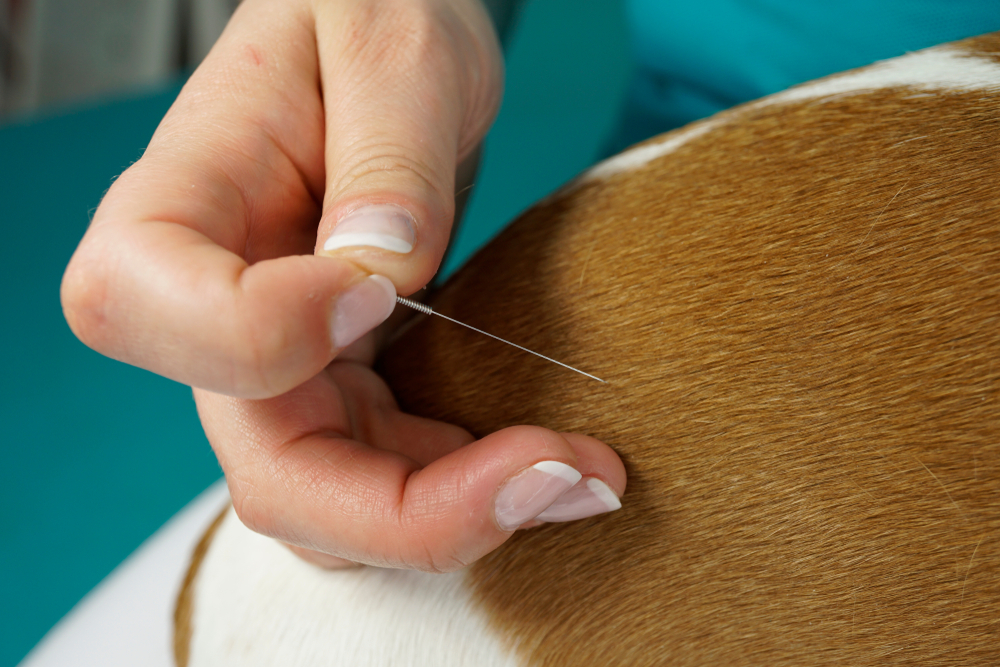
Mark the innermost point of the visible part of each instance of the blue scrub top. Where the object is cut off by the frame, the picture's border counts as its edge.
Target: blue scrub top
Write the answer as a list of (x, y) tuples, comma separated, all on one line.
[(697, 58)]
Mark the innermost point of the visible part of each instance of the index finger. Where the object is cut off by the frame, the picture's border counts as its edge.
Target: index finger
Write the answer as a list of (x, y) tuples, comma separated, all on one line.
[(198, 265)]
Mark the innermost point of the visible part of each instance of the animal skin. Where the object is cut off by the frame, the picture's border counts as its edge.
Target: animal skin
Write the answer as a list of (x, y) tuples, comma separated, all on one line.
[(796, 307)]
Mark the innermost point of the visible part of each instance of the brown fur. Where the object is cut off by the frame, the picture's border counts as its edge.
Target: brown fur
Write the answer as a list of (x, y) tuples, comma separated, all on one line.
[(184, 608), (798, 316)]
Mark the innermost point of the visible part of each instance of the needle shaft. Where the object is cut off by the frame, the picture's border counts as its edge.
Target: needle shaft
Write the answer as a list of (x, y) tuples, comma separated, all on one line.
[(427, 310)]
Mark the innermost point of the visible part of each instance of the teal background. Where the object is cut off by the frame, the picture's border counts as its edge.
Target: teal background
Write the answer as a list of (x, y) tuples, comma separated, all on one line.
[(568, 66), (697, 58), (96, 454)]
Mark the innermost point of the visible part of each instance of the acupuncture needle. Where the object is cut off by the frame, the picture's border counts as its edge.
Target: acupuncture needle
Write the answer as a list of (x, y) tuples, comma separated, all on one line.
[(427, 310)]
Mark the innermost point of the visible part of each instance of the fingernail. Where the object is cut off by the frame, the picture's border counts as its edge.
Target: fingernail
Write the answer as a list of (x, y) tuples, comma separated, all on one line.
[(382, 226), (588, 498), (528, 493), (361, 309)]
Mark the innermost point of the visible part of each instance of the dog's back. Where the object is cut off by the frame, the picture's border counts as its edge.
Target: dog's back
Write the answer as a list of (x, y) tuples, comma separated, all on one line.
[(796, 307)]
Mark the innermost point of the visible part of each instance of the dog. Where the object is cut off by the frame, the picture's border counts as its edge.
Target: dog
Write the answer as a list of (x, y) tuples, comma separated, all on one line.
[(795, 305)]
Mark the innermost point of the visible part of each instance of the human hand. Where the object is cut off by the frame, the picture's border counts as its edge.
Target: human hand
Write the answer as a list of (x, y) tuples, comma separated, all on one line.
[(333, 128)]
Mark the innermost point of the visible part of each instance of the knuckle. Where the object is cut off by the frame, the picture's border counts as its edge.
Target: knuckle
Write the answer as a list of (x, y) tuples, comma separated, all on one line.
[(430, 554), (412, 40), (446, 564), (387, 161), (402, 32), (437, 558), (482, 76)]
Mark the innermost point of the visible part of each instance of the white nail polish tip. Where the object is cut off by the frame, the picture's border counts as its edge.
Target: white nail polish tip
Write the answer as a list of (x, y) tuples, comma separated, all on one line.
[(384, 226), (561, 470), (355, 239), (584, 500), (526, 494), (604, 493)]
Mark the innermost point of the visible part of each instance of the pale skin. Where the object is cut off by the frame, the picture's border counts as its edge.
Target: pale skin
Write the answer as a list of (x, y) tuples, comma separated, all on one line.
[(205, 264)]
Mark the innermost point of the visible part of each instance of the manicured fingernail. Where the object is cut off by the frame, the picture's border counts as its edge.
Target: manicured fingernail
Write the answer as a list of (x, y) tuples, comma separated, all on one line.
[(529, 492), (378, 226), (361, 309), (589, 497)]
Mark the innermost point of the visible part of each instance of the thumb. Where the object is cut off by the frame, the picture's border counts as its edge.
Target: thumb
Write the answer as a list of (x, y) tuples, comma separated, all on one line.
[(409, 90)]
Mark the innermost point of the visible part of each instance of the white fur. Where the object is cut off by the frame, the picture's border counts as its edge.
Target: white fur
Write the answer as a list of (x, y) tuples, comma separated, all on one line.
[(941, 68), (640, 155), (257, 604)]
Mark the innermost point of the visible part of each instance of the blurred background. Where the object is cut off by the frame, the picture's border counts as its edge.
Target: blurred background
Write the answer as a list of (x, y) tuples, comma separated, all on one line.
[(96, 454), (59, 51)]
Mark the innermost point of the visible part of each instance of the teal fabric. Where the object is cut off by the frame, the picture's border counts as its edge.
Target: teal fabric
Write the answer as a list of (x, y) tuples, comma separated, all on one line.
[(697, 58)]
